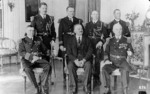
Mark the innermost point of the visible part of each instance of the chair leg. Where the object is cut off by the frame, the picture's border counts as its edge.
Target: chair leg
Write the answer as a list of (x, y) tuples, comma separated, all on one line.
[(67, 83), (92, 84), (49, 84), (25, 80), (10, 60), (115, 82), (1, 63)]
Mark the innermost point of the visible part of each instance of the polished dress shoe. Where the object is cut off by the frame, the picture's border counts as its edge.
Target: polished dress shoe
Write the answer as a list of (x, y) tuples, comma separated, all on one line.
[(37, 91), (45, 90), (73, 90), (108, 91), (87, 90)]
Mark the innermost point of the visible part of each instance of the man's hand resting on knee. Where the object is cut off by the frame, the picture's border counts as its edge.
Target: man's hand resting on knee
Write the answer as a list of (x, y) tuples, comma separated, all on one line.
[(79, 63)]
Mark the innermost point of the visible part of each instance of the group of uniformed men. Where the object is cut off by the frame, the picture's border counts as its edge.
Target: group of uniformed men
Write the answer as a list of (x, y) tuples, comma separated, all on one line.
[(79, 43)]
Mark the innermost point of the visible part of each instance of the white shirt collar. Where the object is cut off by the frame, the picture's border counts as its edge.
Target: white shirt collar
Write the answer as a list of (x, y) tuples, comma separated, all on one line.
[(94, 21), (43, 16), (78, 37), (117, 20), (118, 37), (70, 18)]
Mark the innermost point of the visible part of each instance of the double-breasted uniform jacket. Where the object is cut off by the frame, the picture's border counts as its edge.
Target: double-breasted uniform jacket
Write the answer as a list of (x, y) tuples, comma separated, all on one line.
[(96, 32), (116, 50), (66, 29), (125, 29), (34, 47), (28, 45), (44, 28), (75, 51)]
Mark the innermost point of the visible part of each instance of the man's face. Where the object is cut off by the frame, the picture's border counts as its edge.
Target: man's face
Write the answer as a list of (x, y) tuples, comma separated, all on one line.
[(30, 32), (43, 9), (117, 29), (78, 30), (117, 14), (70, 12), (94, 15)]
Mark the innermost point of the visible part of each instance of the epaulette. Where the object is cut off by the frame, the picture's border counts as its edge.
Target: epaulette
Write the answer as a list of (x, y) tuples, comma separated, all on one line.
[(127, 24), (80, 21), (23, 40), (52, 18), (59, 20)]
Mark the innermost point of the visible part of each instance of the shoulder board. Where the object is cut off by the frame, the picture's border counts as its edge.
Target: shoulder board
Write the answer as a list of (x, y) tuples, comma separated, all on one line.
[(23, 40), (80, 21), (51, 17), (59, 20)]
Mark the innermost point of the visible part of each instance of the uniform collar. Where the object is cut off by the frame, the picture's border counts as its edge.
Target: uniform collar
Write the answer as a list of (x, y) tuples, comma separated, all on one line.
[(94, 21), (43, 16), (78, 37), (118, 37), (117, 20), (70, 18)]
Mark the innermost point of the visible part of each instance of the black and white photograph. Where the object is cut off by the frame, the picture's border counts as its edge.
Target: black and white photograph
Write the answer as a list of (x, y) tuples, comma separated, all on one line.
[(74, 46)]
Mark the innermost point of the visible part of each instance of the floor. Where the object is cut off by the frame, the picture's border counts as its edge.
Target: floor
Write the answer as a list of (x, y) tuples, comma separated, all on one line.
[(11, 82)]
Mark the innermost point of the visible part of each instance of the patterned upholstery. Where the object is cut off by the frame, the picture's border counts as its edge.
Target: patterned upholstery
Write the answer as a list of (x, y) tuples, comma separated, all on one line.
[(7, 49)]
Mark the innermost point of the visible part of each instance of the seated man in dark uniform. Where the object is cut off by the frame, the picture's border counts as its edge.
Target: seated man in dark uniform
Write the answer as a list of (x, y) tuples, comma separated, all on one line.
[(117, 51), (125, 29), (79, 51), (33, 53)]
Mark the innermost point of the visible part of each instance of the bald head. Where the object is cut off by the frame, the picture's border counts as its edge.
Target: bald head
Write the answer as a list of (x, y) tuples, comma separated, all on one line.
[(117, 29), (78, 29), (94, 15)]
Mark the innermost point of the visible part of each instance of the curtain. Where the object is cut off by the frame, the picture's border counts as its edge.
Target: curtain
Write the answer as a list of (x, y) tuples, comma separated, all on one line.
[(72, 3), (85, 7)]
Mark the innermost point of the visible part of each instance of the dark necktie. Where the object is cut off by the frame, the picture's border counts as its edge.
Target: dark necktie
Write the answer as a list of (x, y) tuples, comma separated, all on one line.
[(79, 41)]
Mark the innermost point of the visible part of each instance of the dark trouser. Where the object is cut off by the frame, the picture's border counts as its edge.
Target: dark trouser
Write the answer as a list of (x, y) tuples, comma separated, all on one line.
[(99, 57), (46, 40), (73, 74), (62, 54), (124, 68), (28, 68)]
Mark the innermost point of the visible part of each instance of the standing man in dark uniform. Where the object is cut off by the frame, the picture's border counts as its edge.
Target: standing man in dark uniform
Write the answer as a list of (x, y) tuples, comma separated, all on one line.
[(66, 29), (44, 25), (97, 32), (33, 53), (79, 52), (125, 29), (117, 51)]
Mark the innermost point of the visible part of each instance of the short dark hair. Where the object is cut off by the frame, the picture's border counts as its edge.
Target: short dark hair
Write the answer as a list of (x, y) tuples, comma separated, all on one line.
[(69, 7), (116, 10), (28, 27), (42, 3)]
